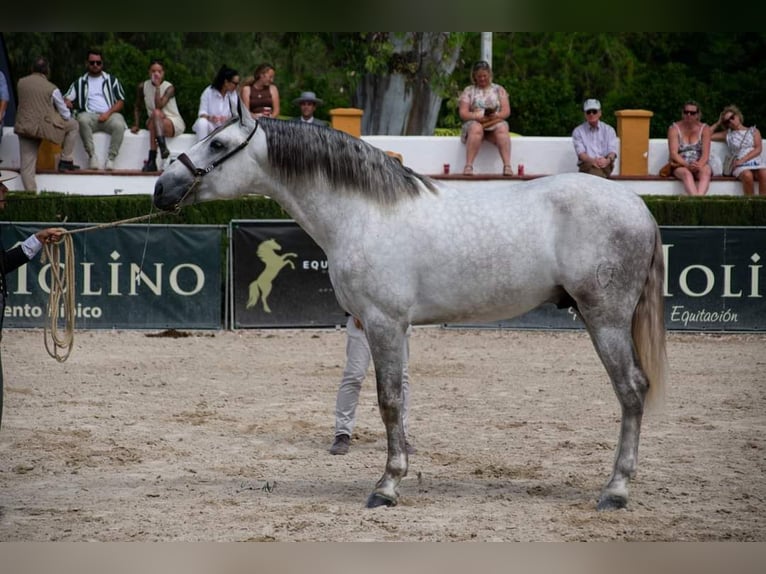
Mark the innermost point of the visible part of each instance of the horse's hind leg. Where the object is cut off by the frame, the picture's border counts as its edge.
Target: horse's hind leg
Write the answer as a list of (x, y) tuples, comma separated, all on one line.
[(615, 348), (265, 292)]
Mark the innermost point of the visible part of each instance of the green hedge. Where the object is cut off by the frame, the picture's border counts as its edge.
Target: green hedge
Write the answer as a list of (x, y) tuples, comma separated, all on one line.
[(54, 207), (720, 210)]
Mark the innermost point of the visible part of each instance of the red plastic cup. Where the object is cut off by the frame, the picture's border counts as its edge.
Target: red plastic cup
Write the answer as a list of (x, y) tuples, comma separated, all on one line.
[(520, 169), (446, 168)]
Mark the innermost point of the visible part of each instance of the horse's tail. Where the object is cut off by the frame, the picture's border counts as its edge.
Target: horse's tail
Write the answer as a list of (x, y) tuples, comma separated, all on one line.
[(649, 327), (254, 294)]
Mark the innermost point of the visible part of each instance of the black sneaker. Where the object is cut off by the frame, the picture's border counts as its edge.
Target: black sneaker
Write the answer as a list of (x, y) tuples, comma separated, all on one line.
[(67, 165), (150, 166), (341, 444)]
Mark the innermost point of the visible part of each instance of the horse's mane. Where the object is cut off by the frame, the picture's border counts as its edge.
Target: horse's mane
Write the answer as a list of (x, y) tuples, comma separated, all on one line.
[(303, 152)]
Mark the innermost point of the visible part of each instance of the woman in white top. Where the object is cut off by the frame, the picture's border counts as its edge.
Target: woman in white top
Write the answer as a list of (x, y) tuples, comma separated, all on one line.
[(745, 146), (159, 97), (216, 102)]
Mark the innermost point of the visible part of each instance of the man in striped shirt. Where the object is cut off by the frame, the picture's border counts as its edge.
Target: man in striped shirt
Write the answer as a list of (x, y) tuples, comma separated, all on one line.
[(97, 99)]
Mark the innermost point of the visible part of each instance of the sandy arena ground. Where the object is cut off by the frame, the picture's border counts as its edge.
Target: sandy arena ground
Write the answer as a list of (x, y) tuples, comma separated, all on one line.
[(223, 436)]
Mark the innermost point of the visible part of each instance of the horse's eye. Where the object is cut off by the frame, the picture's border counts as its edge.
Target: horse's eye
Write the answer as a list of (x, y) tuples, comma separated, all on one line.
[(216, 145)]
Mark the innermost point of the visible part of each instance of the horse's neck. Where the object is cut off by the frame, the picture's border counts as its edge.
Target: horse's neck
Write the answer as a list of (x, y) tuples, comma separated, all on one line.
[(315, 209)]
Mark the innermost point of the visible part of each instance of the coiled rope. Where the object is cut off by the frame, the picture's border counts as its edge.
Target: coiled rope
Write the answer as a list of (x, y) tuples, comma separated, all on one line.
[(59, 338), (60, 299)]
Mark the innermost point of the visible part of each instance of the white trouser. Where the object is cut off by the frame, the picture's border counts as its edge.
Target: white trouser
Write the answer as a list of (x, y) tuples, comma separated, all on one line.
[(358, 359)]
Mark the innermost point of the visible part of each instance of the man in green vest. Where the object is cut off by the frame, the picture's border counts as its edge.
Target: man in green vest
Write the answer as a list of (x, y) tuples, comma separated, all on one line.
[(43, 114)]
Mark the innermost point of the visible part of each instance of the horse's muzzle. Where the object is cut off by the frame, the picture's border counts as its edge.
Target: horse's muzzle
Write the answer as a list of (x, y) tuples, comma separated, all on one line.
[(166, 198)]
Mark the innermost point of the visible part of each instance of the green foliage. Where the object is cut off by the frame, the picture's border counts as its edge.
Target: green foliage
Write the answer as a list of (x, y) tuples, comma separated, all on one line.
[(542, 93), (547, 74)]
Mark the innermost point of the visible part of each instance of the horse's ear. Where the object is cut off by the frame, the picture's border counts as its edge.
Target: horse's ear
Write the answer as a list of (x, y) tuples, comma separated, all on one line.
[(235, 106), (245, 118)]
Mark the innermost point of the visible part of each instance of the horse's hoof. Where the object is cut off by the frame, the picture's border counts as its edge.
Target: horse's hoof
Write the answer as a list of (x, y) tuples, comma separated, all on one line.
[(375, 500), (612, 502)]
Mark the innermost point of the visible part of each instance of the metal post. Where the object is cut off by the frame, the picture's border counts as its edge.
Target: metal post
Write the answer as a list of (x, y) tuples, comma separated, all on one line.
[(486, 47)]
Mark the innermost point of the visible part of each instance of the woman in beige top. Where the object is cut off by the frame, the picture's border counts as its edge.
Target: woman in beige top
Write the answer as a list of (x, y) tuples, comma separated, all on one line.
[(159, 97)]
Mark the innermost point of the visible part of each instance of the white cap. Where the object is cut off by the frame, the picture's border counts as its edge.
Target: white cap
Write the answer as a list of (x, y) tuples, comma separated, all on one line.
[(591, 104)]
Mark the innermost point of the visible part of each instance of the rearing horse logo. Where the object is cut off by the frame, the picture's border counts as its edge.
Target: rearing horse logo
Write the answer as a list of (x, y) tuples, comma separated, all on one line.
[(261, 287)]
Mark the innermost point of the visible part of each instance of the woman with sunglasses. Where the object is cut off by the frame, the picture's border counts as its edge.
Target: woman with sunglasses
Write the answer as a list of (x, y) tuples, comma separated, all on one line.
[(689, 147), (217, 102), (97, 98), (744, 145)]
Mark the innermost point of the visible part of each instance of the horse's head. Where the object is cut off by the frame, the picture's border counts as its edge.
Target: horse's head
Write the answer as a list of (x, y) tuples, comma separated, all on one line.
[(217, 167), (268, 246)]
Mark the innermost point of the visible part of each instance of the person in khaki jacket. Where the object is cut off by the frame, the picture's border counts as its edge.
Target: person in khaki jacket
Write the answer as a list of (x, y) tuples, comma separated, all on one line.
[(42, 114)]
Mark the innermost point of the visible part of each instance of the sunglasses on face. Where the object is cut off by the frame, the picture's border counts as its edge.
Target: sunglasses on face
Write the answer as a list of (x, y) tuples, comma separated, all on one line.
[(690, 112), (95, 62), (591, 112)]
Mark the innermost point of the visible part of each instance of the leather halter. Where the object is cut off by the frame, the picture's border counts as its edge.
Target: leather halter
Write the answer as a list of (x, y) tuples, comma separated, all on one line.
[(199, 172)]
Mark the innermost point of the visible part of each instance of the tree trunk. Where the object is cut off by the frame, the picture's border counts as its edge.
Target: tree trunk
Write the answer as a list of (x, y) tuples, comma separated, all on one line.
[(406, 101)]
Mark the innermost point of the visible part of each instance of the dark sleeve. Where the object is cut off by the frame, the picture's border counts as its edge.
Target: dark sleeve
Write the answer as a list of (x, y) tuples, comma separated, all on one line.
[(13, 259)]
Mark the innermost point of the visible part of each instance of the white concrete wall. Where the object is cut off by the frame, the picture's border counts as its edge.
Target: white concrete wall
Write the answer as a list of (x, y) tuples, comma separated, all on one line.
[(133, 152), (540, 155), (424, 154)]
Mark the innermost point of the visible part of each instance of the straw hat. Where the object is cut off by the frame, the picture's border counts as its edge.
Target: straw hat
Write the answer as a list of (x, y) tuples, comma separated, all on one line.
[(308, 97)]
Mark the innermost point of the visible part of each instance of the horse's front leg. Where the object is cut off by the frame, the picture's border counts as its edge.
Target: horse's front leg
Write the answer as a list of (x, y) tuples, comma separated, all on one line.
[(387, 348)]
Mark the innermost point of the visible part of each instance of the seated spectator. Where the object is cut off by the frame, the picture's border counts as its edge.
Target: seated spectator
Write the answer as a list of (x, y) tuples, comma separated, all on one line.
[(5, 97), (42, 114), (308, 103), (159, 97), (217, 102), (484, 107), (689, 150), (97, 99), (595, 142), (260, 94), (744, 147)]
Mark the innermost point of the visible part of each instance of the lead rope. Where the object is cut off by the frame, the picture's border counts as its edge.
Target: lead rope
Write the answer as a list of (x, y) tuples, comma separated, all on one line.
[(59, 341), (60, 300)]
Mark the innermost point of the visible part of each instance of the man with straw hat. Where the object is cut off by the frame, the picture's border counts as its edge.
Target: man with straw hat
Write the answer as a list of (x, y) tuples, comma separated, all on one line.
[(308, 103)]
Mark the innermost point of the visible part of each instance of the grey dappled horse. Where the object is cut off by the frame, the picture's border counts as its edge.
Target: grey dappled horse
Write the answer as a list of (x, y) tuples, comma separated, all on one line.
[(404, 249)]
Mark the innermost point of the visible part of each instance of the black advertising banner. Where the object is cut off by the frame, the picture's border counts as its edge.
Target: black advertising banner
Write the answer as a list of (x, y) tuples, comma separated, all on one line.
[(714, 281), (279, 277), (126, 277)]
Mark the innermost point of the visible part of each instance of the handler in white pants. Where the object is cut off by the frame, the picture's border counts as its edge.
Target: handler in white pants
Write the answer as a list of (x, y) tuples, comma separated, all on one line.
[(358, 359)]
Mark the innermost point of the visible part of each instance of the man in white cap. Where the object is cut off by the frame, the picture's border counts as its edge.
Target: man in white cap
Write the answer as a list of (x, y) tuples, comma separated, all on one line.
[(17, 256), (595, 142), (308, 103)]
